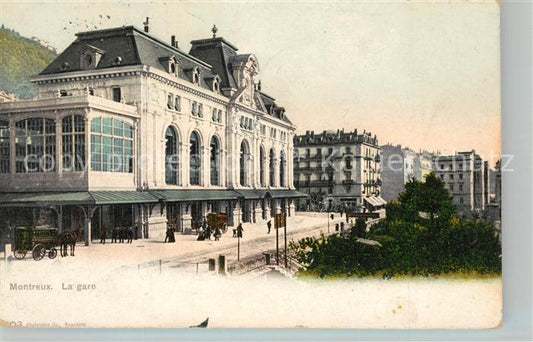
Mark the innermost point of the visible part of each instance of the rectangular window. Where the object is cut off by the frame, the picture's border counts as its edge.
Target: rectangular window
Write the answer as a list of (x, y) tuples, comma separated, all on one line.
[(193, 108), (170, 101), (128, 132), (96, 125), (451, 176), (460, 187), (4, 147), (118, 162), (67, 152), (214, 115), (201, 110), (117, 128), (177, 103), (460, 176), (451, 187), (96, 152), (107, 126), (117, 96), (79, 146), (107, 162), (219, 118), (128, 156)]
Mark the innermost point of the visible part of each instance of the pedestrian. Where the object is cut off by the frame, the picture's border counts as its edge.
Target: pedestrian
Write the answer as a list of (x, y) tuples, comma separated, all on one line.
[(171, 234), (167, 235), (103, 234), (332, 216), (208, 233), (239, 230), (218, 234), (269, 226), (201, 235)]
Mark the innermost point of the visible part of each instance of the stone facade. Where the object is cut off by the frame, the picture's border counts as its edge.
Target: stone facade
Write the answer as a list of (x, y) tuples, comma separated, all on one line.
[(146, 126), (338, 169), (465, 177), (399, 165)]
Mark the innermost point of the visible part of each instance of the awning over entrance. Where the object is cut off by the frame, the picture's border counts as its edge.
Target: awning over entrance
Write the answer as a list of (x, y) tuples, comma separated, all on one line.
[(251, 193), (189, 195), (285, 193), (375, 201), (381, 200), (43, 198), (122, 197), (64, 198), (132, 197)]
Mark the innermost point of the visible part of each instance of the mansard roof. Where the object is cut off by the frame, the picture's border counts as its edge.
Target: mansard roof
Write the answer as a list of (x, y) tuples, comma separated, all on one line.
[(213, 56), (133, 46), (331, 137), (217, 52), (272, 108)]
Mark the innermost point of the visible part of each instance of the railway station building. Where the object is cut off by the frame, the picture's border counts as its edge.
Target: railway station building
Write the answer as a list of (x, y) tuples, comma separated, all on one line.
[(130, 130)]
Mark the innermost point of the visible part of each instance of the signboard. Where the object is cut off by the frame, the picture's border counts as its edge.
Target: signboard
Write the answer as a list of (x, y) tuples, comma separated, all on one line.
[(280, 220)]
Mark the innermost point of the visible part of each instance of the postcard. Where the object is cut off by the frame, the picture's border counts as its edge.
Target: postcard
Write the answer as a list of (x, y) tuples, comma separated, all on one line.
[(250, 164)]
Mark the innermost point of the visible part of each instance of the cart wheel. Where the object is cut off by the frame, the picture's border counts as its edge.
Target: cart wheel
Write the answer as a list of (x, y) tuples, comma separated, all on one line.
[(20, 254), (52, 253), (38, 252)]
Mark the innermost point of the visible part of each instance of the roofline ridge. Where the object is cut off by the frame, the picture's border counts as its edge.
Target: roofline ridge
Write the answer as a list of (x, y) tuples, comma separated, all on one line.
[(141, 32), (215, 39)]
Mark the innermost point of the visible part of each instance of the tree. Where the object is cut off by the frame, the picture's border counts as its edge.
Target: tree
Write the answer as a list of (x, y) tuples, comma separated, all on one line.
[(421, 235)]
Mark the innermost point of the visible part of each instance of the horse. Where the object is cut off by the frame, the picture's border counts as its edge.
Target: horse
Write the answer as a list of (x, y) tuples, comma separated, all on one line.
[(68, 239), (128, 234), (115, 235)]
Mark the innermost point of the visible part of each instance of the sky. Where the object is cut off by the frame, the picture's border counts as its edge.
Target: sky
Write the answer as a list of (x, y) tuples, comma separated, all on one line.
[(422, 74)]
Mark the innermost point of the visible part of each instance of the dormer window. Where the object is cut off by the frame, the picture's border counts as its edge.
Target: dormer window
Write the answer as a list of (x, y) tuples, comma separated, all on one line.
[(196, 76), (90, 57), (170, 64), (117, 61), (216, 84)]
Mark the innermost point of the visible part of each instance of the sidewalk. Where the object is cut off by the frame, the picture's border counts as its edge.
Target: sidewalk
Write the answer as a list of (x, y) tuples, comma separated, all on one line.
[(187, 251)]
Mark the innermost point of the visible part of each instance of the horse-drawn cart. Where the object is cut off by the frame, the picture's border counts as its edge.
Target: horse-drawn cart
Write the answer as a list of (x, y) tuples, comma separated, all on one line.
[(39, 241), (218, 220)]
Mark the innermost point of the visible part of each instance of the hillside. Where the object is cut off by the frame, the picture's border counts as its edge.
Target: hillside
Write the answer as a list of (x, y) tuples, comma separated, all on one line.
[(20, 58)]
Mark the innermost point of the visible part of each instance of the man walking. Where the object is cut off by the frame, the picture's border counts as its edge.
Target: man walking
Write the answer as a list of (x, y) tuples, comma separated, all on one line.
[(269, 226), (103, 234), (239, 230)]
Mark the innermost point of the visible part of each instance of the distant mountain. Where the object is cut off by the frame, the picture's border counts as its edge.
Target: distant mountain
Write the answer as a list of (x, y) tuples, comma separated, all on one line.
[(20, 58)]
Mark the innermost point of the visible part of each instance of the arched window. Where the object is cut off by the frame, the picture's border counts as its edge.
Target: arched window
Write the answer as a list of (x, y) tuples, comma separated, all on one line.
[(214, 159), (245, 154), (272, 168), (4, 147), (35, 147), (73, 141), (194, 159), (282, 163), (262, 166), (171, 156), (111, 145)]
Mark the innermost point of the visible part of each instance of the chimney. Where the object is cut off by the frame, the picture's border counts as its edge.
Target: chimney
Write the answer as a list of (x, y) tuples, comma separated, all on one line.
[(173, 41), (147, 25)]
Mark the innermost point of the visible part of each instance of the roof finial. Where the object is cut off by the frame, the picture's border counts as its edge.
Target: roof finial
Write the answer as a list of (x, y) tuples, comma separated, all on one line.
[(147, 25), (214, 30)]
